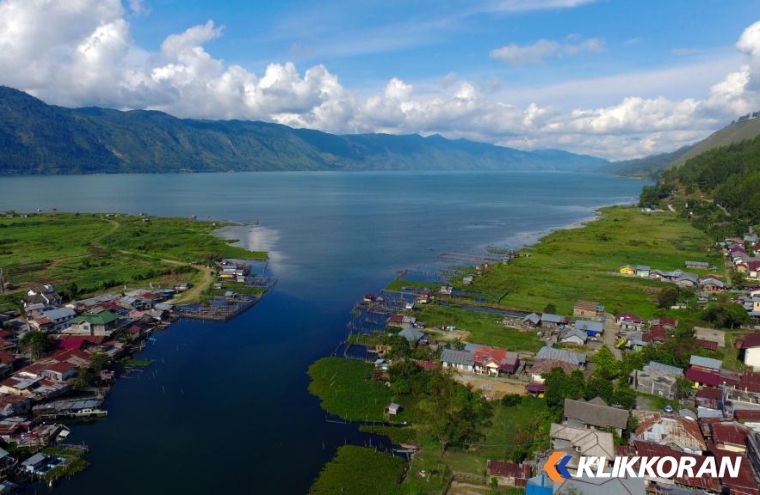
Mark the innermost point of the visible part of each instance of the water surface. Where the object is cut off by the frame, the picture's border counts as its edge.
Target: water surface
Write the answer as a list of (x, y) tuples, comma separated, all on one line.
[(225, 409)]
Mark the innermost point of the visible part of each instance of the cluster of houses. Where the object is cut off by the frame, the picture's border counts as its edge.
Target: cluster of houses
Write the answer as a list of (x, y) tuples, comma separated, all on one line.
[(588, 325), (735, 250), (480, 359), (588, 429), (686, 280), (107, 325)]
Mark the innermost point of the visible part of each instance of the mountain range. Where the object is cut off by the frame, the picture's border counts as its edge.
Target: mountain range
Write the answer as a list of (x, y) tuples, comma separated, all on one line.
[(37, 138)]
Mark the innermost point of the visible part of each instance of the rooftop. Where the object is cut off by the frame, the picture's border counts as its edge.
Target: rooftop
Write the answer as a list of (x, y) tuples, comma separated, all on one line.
[(596, 413)]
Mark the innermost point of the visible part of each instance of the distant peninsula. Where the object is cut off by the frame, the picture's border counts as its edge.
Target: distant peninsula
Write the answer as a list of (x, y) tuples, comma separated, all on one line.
[(38, 138)]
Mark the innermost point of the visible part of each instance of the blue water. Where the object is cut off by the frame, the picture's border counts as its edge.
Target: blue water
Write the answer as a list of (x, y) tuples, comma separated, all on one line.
[(225, 409)]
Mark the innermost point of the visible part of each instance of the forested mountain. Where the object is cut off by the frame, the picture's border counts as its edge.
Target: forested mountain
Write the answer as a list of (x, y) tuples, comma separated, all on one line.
[(36, 138), (651, 167), (719, 189)]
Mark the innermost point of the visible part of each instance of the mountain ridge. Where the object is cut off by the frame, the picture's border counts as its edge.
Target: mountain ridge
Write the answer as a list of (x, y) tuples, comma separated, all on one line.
[(38, 138)]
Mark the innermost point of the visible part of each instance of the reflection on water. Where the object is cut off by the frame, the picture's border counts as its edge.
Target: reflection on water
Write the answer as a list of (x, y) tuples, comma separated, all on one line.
[(257, 238)]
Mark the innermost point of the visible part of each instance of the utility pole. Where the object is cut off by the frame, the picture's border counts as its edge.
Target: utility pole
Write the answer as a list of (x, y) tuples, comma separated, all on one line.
[(2, 282)]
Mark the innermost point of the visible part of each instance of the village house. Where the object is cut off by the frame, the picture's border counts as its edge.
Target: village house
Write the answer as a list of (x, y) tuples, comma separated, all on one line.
[(729, 436), (508, 473), (60, 318), (588, 309), (642, 271), (579, 442), (411, 334), (669, 429), (699, 265), (576, 359), (710, 398), (753, 450), (592, 329), (629, 321), (97, 322), (532, 321), (711, 284), (545, 366), (684, 484), (665, 322), (657, 379), (14, 405), (494, 361), (43, 294), (688, 281), (704, 371), (458, 360), (594, 414), (552, 322), (573, 337), (749, 350), (656, 334), (627, 270)]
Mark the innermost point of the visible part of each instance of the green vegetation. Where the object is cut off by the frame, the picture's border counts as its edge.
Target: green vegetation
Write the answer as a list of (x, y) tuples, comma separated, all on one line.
[(360, 471), (346, 390), (43, 139), (86, 253), (36, 343), (653, 166), (483, 328), (721, 187), (575, 264), (74, 462)]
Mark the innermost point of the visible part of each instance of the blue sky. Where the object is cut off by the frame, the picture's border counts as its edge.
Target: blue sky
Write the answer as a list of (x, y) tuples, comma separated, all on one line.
[(612, 78)]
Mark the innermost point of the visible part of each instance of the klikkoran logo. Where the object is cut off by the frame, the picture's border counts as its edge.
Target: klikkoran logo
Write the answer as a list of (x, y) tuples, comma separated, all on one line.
[(665, 467), (556, 467)]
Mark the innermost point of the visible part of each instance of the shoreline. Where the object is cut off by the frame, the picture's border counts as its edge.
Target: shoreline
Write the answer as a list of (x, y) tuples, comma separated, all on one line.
[(543, 241)]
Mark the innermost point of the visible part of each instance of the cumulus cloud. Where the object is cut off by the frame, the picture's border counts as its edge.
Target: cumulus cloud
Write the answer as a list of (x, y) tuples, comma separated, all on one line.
[(542, 49), (82, 53)]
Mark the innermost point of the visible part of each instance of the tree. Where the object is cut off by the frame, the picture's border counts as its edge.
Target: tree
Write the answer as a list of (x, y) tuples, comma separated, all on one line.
[(605, 364), (727, 314), (624, 396), (560, 386), (599, 387), (683, 387), (98, 362), (550, 308), (36, 343), (667, 297), (453, 413)]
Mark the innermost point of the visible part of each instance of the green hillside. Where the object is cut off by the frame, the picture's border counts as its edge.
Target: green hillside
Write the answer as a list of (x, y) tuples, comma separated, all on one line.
[(734, 133), (37, 138), (719, 189), (651, 167)]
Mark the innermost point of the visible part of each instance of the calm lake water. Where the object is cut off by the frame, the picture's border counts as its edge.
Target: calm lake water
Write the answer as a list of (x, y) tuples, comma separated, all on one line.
[(225, 409)]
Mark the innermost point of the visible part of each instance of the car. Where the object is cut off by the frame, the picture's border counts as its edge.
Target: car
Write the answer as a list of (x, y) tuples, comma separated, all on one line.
[(668, 409)]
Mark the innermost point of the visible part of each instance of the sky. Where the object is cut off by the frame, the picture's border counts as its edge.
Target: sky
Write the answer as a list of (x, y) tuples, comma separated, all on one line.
[(612, 78)]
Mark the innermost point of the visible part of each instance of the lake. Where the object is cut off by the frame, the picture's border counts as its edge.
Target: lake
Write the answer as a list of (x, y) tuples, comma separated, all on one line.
[(225, 408)]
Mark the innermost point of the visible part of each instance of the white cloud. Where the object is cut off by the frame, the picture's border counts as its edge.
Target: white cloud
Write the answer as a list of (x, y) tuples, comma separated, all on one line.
[(542, 49), (82, 53), (520, 6)]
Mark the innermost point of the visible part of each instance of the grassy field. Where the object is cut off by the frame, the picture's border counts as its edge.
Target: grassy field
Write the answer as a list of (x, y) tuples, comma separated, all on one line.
[(582, 263), (484, 328), (360, 471), (345, 389), (95, 252)]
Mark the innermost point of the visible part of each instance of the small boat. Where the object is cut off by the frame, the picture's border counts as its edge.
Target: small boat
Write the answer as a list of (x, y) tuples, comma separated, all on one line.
[(63, 434)]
